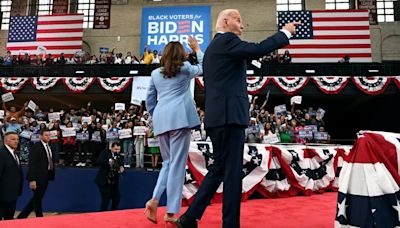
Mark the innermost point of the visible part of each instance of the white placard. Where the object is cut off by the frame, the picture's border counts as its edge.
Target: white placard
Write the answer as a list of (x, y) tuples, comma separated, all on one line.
[(26, 134), (320, 113), (153, 142), (68, 132), (196, 136), (140, 86), (271, 139), (125, 133), (32, 105), (256, 64), (295, 100), (280, 110), (35, 138), (312, 128), (54, 116), (139, 130), (119, 106), (7, 97), (1, 114), (53, 134), (86, 119)]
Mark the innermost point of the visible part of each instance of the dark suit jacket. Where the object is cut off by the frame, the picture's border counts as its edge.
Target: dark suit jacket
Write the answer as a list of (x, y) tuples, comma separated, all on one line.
[(11, 177), (38, 164), (226, 99), (102, 161)]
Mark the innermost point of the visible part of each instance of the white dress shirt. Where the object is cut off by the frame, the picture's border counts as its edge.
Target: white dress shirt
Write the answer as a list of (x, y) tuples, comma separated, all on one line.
[(12, 152)]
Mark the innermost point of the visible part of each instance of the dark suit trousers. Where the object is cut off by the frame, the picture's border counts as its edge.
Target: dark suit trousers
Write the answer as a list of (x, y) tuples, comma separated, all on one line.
[(36, 201), (228, 143), (109, 192), (7, 210)]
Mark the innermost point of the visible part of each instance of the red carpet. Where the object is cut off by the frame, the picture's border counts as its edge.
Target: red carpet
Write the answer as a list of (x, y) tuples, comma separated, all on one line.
[(300, 211)]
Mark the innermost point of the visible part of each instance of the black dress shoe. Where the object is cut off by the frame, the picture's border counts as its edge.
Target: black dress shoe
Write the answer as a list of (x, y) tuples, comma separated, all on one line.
[(186, 222)]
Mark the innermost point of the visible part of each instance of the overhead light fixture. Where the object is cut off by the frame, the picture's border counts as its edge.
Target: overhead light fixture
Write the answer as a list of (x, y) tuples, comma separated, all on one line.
[(249, 72), (310, 71), (373, 71), (133, 72), (79, 72)]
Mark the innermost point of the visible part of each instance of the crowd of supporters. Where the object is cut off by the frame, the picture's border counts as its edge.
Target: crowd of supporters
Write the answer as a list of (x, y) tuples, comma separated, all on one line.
[(112, 57)]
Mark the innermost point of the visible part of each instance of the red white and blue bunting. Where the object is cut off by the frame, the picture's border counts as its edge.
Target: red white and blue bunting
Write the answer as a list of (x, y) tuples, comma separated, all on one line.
[(290, 85), (78, 84), (115, 84), (372, 85), (44, 83), (13, 84), (396, 80), (331, 84), (255, 84)]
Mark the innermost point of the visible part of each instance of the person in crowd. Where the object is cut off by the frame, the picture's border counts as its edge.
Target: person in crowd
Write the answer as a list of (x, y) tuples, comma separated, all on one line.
[(12, 112), (154, 150), (69, 147), (156, 58), (83, 146), (127, 146), (286, 57), (98, 139), (8, 59), (41, 170), (148, 56), (56, 141), (13, 126), (284, 135), (170, 83), (345, 59), (11, 176), (227, 113), (107, 179), (139, 147)]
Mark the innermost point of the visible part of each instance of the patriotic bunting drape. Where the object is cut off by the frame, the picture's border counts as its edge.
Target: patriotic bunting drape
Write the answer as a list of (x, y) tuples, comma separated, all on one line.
[(288, 85), (272, 170), (369, 193)]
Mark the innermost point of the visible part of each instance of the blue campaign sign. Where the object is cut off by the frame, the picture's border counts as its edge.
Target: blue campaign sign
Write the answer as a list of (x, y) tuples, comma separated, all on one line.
[(161, 25)]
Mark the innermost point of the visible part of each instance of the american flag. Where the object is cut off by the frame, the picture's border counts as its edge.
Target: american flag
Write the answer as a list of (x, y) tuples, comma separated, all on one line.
[(50, 34), (328, 35)]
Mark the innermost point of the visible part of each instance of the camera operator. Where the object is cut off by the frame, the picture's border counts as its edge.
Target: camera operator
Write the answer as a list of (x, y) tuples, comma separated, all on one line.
[(111, 166)]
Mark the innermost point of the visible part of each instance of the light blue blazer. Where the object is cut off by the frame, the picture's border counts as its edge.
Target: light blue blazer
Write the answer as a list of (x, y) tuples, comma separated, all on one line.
[(169, 100)]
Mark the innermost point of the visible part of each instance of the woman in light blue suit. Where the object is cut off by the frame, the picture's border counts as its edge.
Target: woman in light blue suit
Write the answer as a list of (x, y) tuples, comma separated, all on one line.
[(173, 110)]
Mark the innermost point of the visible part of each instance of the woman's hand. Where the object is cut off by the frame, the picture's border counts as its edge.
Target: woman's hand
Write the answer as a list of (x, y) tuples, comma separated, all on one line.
[(193, 44)]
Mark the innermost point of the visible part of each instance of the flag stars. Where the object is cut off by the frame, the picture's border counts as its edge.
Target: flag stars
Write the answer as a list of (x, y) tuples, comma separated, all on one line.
[(397, 208), (342, 208)]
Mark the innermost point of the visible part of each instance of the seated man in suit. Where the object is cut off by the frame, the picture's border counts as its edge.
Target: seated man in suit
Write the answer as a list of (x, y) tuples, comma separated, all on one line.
[(40, 172), (11, 176)]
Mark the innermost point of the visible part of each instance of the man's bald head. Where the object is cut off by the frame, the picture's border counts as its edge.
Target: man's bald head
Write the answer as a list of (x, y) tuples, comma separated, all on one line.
[(229, 20)]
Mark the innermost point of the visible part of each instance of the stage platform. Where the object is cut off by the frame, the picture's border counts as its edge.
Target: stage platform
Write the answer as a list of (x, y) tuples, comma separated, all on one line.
[(316, 211), (74, 190)]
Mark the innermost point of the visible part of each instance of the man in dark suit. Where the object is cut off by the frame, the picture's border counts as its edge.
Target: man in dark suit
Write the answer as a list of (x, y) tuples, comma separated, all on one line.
[(111, 166), (11, 176), (227, 113), (40, 172)]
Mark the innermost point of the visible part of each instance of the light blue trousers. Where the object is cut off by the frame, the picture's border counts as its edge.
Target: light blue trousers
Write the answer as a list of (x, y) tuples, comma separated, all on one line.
[(174, 146)]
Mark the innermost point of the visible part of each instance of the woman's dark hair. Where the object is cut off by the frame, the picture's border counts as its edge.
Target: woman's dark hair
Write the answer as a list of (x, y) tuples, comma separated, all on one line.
[(173, 57)]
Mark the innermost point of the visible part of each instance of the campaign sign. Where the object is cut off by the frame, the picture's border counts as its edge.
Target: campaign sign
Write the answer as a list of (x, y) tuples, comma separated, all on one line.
[(96, 136), (271, 139), (35, 138), (321, 136), (161, 25), (26, 134), (196, 136), (112, 135), (312, 128), (139, 130), (305, 134), (153, 142), (82, 136), (125, 133)]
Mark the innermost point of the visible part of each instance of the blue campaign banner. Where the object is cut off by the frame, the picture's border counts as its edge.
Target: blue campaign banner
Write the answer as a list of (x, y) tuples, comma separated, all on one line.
[(161, 25)]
